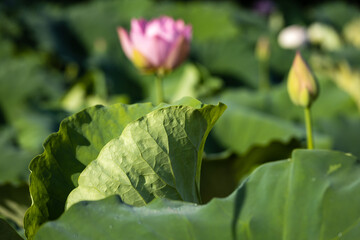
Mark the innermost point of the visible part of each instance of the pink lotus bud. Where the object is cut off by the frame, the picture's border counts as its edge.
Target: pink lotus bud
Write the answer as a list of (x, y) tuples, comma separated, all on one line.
[(158, 45)]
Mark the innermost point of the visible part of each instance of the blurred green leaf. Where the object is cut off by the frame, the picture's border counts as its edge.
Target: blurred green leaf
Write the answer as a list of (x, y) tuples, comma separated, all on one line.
[(6, 48), (249, 122), (232, 59), (201, 17), (25, 78), (7, 232), (10, 28), (345, 132), (242, 128), (27, 93), (318, 183), (14, 161), (337, 13), (14, 201)]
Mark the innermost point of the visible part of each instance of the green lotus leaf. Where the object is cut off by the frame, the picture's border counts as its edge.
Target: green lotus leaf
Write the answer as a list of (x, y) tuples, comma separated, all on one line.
[(77, 143), (80, 138), (157, 156), (313, 195)]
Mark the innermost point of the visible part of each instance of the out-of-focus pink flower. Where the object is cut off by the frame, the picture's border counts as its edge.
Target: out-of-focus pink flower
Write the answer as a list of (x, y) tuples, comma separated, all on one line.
[(158, 45)]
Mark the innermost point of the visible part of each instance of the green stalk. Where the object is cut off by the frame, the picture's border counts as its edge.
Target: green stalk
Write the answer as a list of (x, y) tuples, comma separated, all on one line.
[(310, 142), (264, 83), (159, 89)]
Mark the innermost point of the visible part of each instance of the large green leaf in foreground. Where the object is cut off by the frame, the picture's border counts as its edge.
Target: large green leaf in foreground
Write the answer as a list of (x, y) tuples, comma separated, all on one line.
[(79, 141), (314, 195), (157, 156), (67, 152)]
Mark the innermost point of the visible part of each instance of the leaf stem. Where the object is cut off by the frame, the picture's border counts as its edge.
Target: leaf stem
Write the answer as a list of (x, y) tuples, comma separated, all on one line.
[(310, 142), (159, 88), (264, 80)]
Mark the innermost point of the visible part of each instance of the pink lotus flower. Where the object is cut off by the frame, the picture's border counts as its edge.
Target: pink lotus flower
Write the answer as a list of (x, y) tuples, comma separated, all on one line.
[(159, 45)]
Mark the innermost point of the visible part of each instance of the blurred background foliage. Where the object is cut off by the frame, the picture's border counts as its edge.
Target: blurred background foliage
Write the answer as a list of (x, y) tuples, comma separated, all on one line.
[(58, 57)]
